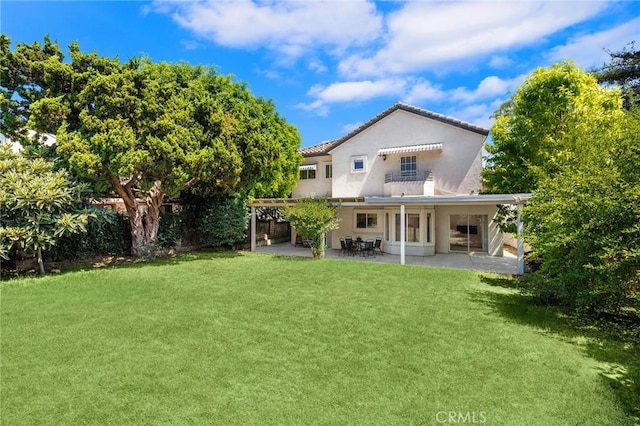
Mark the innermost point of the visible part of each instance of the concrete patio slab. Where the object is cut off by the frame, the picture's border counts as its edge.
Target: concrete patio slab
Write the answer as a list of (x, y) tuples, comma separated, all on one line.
[(506, 264)]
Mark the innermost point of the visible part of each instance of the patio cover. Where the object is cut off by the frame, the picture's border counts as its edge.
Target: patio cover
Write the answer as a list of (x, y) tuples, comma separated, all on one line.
[(479, 199), (410, 148)]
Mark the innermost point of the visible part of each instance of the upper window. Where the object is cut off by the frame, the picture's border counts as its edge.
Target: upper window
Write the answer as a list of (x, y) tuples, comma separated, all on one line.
[(307, 174), (328, 171), (308, 171), (359, 164), (408, 166)]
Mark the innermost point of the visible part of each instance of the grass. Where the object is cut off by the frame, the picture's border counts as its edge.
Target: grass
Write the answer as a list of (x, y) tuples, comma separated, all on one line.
[(257, 339)]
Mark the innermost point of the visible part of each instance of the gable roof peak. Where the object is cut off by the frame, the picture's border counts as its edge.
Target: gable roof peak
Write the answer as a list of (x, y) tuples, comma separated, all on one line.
[(326, 147)]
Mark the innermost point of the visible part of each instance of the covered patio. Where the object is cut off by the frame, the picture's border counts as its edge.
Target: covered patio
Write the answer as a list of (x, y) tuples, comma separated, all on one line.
[(507, 264), (431, 243)]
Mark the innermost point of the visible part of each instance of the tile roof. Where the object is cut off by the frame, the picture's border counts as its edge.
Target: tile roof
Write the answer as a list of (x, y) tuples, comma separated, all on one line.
[(324, 148), (319, 149)]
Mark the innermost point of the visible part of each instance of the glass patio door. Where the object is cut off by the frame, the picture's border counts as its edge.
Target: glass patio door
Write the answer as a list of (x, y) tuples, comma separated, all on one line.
[(468, 233)]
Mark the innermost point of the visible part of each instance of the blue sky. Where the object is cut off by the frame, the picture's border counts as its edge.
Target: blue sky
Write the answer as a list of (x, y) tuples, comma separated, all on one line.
[(330, 66)]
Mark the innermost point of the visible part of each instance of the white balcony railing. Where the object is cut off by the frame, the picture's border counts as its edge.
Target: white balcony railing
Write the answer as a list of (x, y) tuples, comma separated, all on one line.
[(410, 176)]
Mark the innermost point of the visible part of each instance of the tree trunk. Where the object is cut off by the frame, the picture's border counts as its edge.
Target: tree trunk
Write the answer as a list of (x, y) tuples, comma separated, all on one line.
[(40, 262), (318, 247), (144, 218), (145, 221), (144, 228)]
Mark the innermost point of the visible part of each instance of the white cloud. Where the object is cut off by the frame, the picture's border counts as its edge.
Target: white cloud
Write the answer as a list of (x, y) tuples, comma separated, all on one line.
[(349, 127), (190, 44), (357, 90), (424, 91), (350, 91), (411, 91), (316, 106), (289, 27), (479, 114), (492, 91), (500, 62), (588, 50), (424, 34), (317, 66), (270, 74), (490, 87)]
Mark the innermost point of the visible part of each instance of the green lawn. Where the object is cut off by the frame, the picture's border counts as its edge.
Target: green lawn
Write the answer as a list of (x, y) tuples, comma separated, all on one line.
[(258, 339)]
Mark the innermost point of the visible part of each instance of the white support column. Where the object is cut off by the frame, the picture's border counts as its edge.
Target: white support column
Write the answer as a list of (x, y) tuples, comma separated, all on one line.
[(253, 228), (520, 270), (402, 234)]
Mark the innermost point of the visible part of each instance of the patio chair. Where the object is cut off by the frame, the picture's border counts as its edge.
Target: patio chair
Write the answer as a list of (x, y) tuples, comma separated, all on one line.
[(351, 246), (377, 246), (343, 247), (368, 248)]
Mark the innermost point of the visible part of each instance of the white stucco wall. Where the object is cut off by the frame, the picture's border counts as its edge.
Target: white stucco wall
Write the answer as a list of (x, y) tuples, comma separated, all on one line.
[(456, 169), (318, 187), (439, 224)]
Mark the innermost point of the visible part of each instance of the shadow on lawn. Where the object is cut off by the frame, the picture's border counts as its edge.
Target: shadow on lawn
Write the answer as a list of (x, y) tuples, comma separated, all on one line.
[(186, 257), (608, 338), (291, 258), (125, 262)]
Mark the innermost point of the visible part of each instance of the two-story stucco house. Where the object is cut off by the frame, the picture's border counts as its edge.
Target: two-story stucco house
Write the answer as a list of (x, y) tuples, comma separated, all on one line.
[(410, 177)]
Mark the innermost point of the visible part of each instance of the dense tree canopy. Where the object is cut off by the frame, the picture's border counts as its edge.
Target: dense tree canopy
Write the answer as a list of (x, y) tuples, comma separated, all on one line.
[(146, 130), (530, 136), (584, 222), (570, 142)]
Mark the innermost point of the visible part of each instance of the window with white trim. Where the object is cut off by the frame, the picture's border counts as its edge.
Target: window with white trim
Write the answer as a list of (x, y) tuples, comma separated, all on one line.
[(366, 220), (359, 164), (307, 174), (412, 227), (308, 171), (408, 166), (328, 171)]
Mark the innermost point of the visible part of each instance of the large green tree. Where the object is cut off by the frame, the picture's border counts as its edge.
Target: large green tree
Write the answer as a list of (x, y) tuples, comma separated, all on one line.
[(38, 205), (530, 136), (570, 142), (147, 131), (584, 222)]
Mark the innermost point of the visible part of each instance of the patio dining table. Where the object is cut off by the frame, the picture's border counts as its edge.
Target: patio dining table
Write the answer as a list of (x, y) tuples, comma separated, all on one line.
[(359, 246)]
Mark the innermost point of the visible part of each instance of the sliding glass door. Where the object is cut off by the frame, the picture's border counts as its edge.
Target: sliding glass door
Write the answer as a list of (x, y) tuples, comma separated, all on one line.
[(468, 233)]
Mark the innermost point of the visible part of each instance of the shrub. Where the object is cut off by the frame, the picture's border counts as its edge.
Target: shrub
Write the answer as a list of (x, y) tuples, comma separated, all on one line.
[(222, 221), (170, 230), (108, 233), (313, 218)]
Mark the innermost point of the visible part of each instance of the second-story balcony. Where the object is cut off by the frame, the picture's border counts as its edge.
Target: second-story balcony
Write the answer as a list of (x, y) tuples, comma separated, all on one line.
[(415, 182), (410, 176)]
